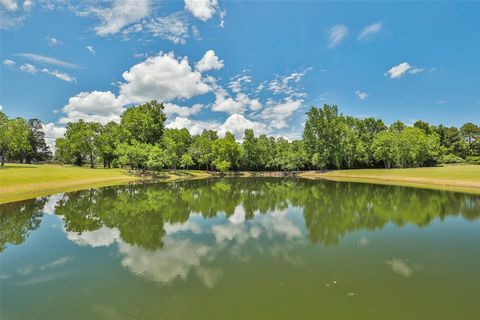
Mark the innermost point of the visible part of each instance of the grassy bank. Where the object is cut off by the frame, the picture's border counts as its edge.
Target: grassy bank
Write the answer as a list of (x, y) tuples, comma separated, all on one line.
[(25, 181), (19, 182), (464, 178)]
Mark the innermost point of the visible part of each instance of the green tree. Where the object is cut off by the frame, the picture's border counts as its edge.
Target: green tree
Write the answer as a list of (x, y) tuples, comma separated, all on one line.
[(227, 149), (186, 161), (144, 123), (250, 150), (135, 155), (323, 134), (106, 141), (176, 143), (39, 150), (80, 137), (471, 134)]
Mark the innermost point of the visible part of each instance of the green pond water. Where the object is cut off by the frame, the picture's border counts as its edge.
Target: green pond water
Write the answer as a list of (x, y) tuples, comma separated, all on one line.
[(265, 248)]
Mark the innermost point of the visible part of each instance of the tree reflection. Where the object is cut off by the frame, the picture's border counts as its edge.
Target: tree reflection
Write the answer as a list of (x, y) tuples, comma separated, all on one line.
[(17, 219), (330, 209)]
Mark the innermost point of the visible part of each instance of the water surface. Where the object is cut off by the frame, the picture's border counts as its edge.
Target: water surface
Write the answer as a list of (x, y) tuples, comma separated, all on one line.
[(246, 248)]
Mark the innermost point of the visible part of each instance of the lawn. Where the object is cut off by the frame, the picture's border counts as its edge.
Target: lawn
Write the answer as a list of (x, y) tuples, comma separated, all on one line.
[(24, 181), (464, 178)]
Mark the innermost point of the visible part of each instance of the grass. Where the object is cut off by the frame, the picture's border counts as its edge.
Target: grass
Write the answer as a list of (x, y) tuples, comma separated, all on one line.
[(464, 178), (20, 182), (25, 181)]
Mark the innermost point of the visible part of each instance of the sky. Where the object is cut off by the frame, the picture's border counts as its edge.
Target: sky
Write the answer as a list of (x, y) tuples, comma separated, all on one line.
[(233, 65)]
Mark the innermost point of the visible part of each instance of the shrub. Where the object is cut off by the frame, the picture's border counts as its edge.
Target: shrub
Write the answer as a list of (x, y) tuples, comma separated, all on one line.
[(450, 159), (473, 160)]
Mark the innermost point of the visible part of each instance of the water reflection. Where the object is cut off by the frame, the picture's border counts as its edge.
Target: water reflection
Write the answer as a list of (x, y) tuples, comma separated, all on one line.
[(141, 215)]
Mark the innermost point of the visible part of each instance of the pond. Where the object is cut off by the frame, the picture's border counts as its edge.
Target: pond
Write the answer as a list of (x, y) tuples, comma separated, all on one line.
[(242, 248)]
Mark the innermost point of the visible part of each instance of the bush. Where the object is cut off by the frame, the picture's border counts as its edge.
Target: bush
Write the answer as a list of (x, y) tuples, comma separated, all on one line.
[(473, 160), (450, 159)]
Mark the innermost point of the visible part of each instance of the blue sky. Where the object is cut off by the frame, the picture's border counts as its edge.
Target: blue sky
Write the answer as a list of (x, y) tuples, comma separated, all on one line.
[(231, 65)]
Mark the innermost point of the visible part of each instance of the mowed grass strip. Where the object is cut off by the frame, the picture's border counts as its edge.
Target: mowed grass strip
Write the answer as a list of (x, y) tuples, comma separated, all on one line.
[(25, 181), (465, 178)]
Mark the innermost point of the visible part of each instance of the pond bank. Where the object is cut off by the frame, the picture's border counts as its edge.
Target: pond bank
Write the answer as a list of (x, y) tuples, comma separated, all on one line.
[(20, 182)]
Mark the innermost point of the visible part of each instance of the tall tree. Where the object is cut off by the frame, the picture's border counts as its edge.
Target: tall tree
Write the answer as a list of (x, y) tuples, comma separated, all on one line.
[(38, 147), (144, 123)]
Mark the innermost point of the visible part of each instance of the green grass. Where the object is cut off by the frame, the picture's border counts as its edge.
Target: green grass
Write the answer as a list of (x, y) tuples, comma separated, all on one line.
[(465, 178), (22, 181)]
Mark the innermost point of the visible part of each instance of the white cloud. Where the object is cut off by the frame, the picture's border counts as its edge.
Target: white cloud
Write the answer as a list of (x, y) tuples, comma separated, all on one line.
[(102, 237), (171, 108), (9, 5), (201, 9), (27, 5), (47, 60), (53, 42), (288, 84), (337, 34), (370, 30), (52, 132), (173, 27), (8, 62), (193, 126), (236, 83), (163, 78), (121, 14), (237, 124), (399, 70), (175, 261), (90, 49), (208, 62), (361, 95), (1, 107), (223, 14), (100, 106), (27, 67), (279, 112), (415, 70), (60, 75)]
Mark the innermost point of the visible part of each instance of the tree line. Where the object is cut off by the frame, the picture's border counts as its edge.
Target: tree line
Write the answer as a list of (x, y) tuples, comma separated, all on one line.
[(330, 140), (22, 140)]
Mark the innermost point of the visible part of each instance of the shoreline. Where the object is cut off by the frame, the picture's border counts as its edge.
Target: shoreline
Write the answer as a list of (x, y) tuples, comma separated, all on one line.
[(18, 192)]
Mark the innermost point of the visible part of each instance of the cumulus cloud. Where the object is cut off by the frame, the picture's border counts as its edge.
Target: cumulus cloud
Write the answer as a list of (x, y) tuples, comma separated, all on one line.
[(336, 35), (121, 14), (361, 95), (370, 30), (208, 62), (399, 70), (163, 78), (9, 5), (47, 60), (237, 123), (52, 132), (171, 109), (202, 9), (100, 106), (193, 126), (279, 112)]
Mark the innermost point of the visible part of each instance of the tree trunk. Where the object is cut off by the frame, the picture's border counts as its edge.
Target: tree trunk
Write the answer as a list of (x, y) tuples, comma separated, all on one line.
[(91, 160)]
